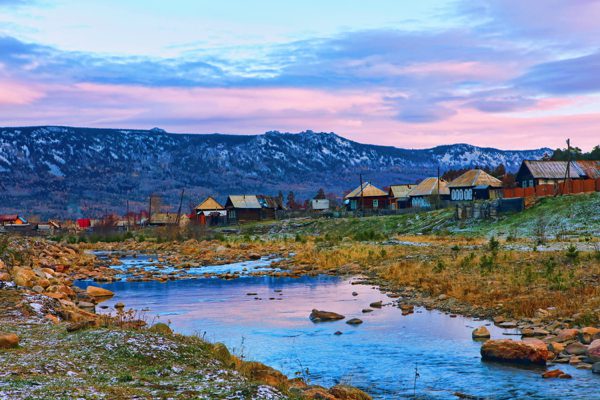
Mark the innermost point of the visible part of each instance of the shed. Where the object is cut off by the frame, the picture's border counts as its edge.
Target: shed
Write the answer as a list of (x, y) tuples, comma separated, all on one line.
[(210, 212), (475, 184), (427, 193)]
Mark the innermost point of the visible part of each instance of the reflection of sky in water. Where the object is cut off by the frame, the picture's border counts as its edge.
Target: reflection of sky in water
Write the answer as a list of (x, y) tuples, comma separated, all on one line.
[(379, 355), (142, 261)]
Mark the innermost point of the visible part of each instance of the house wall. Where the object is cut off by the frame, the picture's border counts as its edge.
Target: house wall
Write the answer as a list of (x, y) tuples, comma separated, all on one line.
[(461, 194), (369, 203)]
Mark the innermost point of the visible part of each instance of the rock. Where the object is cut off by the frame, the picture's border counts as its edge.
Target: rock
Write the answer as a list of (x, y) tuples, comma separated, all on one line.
[(8, 340), (95, 291), (259, 372), (409, 308), (588, 334), (354, 294), (251, 294), (84, 305), (376, 304), (221, 353), (322, 316), (555, 373), (119, 306), (499, 319), (24, 277), (556, 347), (38, 289), (576, 348), (77, 326), (593, 351), (343, 392), (52, 318), (508, 324), (522, 352), (354, 321), (567, 334), (596, 368), (442, 297), (317, 393), (161, 328), (5, 277), (481, 333), (367, 310), (337, 333), (565, 376)]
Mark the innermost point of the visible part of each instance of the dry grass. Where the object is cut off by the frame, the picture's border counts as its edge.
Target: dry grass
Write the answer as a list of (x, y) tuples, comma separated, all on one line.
[(482, 274)]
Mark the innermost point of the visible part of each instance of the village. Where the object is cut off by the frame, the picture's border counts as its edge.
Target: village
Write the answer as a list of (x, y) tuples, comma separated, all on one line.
[(473, 193)]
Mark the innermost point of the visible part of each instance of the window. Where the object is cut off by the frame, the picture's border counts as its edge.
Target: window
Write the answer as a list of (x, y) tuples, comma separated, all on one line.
[(375, 203), (531, 183), (353, 204)]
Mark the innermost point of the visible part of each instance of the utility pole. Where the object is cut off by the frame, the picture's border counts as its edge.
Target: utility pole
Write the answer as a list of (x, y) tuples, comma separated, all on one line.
[(568, 171), (438, 186), (362, 199), (180, 204)]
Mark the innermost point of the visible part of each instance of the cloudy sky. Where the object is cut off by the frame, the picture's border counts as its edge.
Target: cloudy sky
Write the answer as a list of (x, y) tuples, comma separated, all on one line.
[(503, 73)]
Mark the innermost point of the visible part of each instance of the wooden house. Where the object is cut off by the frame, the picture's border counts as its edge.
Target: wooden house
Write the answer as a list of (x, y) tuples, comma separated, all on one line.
[(210, 212), (12, 219), (398, 195), (533, 173), (475, 184), (367, 197), (243, 208), (429, 193)]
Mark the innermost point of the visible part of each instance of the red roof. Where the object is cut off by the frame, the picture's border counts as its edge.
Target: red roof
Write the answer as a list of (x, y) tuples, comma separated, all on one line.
[(84, 222), (8, 217)]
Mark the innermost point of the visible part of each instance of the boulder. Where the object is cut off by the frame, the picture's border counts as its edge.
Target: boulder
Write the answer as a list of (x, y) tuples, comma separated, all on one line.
[(259, 372), (596, 368), (8, 340), (576, 349), (376, 304), (555, 373), (593, 351), (588, 334), (556, 347), (24, 277), (354, 321), (481, 333), (521, 352), (321, 316), (317, 393), (95, 291), (567, 334), (4, 277), (344, 392)]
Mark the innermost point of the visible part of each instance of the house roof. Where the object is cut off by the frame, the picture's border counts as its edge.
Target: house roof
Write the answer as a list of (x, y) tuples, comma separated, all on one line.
[(163, 218), (8, 217), (590, 168), (368, 190), (552, 169), (475, 177), (244, 201), (429, 187), (400, 191), (209, 204)]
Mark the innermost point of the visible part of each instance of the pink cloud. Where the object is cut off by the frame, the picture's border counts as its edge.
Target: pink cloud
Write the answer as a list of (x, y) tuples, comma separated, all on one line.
[(364, 116)]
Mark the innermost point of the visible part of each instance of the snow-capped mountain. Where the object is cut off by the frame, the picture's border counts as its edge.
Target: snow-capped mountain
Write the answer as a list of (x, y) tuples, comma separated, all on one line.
[(66, 171)]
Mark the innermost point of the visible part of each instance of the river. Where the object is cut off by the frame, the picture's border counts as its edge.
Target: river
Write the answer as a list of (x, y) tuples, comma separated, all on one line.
[(379, 356)]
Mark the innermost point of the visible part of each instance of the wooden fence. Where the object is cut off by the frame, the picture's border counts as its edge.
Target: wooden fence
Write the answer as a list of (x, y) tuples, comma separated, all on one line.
[(575, 186)]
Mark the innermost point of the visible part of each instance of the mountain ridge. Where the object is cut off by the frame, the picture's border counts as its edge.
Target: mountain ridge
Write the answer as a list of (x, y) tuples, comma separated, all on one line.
[(70, 171)]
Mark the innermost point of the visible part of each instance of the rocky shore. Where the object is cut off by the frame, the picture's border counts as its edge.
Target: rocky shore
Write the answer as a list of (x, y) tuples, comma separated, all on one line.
[(53, 344)]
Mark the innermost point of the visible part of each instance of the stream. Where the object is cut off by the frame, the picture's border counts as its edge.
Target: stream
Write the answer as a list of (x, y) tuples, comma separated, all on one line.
[(379, 356)]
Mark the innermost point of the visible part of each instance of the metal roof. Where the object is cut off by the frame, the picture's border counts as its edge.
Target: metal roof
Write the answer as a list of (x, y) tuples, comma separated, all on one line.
[(541, 169), (244, 201), (401, 191), (590, 168), (368, 190), (475, 177), (429, 186)]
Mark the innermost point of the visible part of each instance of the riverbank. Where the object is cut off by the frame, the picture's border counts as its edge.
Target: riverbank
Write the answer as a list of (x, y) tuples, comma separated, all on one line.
[(53, 346)]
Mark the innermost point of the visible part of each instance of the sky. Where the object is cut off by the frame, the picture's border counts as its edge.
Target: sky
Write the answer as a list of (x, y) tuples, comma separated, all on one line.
[(510, 74)]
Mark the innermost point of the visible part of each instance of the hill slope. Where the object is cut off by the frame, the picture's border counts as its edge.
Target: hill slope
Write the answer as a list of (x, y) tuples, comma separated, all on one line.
[(66, 171)]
